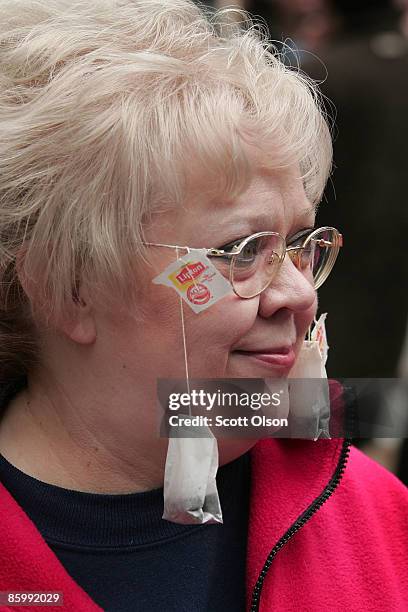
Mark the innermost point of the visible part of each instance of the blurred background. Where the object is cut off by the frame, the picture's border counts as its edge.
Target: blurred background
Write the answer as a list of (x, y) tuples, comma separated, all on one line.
[(358, 52)]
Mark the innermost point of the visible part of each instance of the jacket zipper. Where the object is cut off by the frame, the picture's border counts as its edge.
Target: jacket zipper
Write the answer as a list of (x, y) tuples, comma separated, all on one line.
[(303, 518)]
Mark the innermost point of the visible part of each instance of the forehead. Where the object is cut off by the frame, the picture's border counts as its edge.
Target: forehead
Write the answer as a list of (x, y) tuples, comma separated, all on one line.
[(274, 200)]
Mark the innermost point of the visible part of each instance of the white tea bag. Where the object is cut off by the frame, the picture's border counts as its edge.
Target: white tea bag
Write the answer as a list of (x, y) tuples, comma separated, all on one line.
[(190, 488), (310, 402)]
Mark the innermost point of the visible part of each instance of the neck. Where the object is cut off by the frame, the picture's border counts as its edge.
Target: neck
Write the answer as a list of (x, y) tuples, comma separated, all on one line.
[(61, 438)]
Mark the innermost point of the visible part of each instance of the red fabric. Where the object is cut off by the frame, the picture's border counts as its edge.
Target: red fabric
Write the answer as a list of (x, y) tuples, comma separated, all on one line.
[(351, 555)]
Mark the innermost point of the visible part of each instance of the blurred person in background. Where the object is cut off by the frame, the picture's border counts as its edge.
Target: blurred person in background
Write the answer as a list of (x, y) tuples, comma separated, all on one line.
[(392, 453), (308, 24), (364, 74), (402, 465)]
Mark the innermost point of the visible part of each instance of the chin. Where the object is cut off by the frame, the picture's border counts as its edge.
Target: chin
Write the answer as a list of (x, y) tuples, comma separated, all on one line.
[(230, 449)]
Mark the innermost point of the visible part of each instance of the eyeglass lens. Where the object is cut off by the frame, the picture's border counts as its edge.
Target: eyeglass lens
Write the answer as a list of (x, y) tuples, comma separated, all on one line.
[(259, 261), (325, 246), (253, 269), (256, 265)]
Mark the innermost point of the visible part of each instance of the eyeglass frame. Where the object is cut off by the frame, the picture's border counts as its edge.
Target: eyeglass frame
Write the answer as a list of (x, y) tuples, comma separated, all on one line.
[(236, 250)]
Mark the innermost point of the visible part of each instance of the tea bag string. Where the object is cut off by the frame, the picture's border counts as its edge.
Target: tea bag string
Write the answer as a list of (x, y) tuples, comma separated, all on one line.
[(184, 342)]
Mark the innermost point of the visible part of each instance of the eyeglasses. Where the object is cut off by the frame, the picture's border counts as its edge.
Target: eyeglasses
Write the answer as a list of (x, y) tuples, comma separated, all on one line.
[(252, 264)]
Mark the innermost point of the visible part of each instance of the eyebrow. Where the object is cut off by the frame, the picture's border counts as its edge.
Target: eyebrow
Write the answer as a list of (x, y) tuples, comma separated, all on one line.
[(246, 223)]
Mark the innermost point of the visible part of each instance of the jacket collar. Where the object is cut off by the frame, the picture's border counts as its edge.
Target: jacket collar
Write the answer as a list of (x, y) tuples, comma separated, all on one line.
[(286, 477)]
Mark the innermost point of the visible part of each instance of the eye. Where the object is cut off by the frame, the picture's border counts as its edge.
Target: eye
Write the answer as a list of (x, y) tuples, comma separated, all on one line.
[(230, 245), (249, 252)]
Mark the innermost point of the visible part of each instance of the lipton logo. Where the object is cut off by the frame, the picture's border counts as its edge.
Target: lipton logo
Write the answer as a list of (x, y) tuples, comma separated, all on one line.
[(198, 294), (190, 272)]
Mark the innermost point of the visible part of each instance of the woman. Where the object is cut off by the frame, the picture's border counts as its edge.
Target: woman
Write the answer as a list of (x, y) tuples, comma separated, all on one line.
[(132, 132)]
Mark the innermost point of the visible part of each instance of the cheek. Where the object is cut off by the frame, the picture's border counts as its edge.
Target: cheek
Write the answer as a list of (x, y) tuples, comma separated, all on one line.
[(214, 330), (305, 318), (214, 333), (159, 306), (150, 333), (210, 335), (240, 318)]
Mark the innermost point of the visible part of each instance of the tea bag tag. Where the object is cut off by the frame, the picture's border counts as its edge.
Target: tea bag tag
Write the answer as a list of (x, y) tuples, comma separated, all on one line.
[(319, 335), (196, 280)]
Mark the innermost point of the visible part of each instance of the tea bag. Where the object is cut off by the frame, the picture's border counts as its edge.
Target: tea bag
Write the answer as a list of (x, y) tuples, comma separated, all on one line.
[(190, 488), (310, 399)]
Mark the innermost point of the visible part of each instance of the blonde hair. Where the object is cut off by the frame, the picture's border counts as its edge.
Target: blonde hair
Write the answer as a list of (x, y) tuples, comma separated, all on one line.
[(102, 107)]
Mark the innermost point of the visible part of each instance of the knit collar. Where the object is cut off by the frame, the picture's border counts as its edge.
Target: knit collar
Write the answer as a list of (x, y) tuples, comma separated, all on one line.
[(99, 520)]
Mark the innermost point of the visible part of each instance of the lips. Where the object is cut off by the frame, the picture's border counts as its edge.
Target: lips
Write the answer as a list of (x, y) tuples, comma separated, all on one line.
[(283, 357)]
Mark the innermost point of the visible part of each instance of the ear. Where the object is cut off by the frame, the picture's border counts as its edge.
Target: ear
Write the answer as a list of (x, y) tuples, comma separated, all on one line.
[(80, 326)]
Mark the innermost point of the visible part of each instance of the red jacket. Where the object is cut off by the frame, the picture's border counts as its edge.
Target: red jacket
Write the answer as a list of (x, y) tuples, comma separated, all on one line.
[(349, 552)]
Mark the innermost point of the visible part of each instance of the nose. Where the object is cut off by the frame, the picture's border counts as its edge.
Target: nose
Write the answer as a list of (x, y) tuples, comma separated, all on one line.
[(289, 289)]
